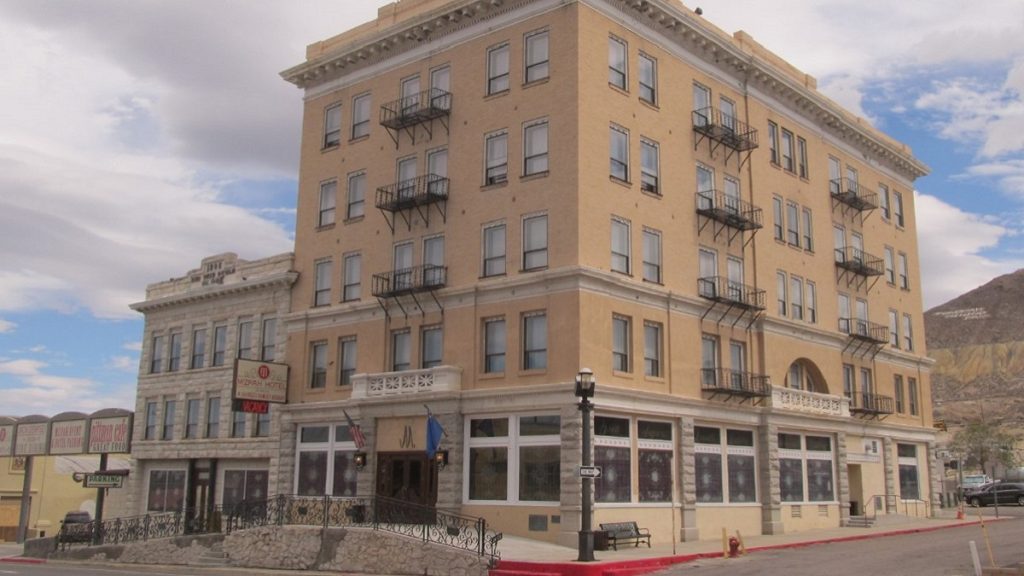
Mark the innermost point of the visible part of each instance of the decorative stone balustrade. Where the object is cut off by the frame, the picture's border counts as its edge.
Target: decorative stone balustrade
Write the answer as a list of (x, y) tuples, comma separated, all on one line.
[(810, 402), (438, 379)]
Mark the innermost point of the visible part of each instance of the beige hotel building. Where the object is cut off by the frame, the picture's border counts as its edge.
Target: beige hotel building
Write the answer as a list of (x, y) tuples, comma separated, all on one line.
[(494, 194)]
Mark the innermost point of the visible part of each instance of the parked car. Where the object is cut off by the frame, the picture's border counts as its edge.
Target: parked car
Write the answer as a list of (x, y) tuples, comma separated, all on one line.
[(973, 482), (77, 527), (1005, 492)]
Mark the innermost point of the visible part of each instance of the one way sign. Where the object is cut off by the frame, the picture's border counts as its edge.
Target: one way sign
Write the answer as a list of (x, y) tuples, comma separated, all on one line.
[(590, 471)]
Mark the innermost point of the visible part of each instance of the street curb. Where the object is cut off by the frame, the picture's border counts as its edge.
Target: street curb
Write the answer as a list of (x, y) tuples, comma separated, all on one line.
[(22, 560)]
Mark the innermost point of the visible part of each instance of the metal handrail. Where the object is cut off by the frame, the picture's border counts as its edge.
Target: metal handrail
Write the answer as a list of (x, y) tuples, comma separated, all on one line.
[(859, 261), (420, 107), (851, 193), (893, 502), (872, 403), (729, 210), (735, 381), (864, 330), (414, 192), (722, 289), (726, 129), (409, 280)]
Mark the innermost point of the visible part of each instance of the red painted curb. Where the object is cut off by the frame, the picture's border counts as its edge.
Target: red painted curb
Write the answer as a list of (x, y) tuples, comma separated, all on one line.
[(643, 566), (22, 560)]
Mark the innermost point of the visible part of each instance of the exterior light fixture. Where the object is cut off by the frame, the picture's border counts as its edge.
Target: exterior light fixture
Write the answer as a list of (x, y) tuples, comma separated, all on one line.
[(360, 460)]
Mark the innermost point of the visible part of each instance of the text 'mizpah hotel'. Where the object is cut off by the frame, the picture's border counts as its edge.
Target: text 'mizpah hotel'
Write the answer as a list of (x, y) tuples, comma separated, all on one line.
[(494, 194)]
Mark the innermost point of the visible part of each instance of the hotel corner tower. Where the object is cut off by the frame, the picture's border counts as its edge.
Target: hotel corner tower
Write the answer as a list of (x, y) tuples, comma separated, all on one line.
[(494, 194)]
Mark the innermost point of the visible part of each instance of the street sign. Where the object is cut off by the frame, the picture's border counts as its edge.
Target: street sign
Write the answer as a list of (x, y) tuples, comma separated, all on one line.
[(590, 471), (111, 479)]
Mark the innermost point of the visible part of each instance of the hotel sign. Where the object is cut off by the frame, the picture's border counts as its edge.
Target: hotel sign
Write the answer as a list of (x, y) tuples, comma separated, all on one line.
[(31, 439), (110, 435), (261, 381), (6, 440), (67, 437)]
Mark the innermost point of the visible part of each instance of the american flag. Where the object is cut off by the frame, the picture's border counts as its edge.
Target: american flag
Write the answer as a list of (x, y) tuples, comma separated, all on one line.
[(355, 431)]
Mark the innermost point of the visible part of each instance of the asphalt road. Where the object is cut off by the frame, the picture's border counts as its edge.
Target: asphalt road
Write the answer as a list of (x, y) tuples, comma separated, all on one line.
[(938, 553)]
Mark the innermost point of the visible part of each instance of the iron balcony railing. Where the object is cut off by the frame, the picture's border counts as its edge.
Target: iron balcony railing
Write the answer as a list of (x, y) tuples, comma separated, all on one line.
[(867, 403), (135, 529), (851, 193), (416, 109), (409, 280), (419, 191), (722, 289), (728, 210), (864, 330), (725, 129), (859, 262), (735, 382)]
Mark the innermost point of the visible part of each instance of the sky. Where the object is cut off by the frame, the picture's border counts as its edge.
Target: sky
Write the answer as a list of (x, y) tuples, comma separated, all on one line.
[(137, 137)]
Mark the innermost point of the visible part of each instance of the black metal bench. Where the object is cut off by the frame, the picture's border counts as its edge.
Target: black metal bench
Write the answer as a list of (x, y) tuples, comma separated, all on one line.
[(626, 532)]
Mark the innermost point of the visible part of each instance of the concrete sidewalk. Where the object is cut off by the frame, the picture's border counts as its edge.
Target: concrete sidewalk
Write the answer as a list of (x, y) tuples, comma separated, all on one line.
[(523, 556)]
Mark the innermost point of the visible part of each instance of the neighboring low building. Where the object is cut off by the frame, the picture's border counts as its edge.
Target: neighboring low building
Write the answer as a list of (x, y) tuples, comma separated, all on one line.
[(190, 449)]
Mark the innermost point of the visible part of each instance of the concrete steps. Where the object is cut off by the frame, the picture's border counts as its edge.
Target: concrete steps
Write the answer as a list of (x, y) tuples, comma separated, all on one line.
[(860, 522), (214, 556)]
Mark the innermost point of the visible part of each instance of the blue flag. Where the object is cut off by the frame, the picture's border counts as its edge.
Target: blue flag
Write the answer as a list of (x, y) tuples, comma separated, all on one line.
[(434, 433)]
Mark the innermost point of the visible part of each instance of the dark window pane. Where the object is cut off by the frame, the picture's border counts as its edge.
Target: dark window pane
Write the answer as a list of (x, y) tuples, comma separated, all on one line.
[(819, 480), (791, 479), (342, 433), (906, 450), (344, 473), (312, 473), (538, 473), (709, 477), (704, 435), (742, 485), (605, 426), (655, 475), (789, 441), (157, 490), (739, 437), (909, 489), (540, 425), (488, 473), (315, 434), (256, 482), (234, 488), (819, 443), (614, 483), (489, 428)]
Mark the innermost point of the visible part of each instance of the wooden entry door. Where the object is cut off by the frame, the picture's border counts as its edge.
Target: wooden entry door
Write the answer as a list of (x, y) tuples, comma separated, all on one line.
[(407, 476)]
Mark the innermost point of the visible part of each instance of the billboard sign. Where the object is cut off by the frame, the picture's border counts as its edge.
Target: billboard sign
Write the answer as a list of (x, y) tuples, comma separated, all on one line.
[(261, 381), (6, 440), (110, 435), (30, 439), (67, 437)]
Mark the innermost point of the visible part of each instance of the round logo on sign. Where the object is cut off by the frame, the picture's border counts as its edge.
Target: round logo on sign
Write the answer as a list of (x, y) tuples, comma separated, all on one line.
[(264, 371)]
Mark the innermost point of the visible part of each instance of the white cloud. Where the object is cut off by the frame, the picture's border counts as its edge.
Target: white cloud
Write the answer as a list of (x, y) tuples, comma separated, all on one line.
[(29, 389), (123, 363), (952, 245), (6, 326), (133, 346)]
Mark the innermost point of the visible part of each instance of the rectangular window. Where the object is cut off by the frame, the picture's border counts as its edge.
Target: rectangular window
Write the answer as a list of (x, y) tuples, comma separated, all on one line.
[(912, 395), (908, 334), (792, 224), (648, 79), (405, 175), (352, 289), (890, 270), (894, 329), (883, 201), (649, 166), (844, 313), (613, 454), (780, 292), (901, 259), (619, 153), (174, 362), (709, 361), (701, 105), (198, 348), (617, 62), (440, 86), (535, 148), (410, 96), (731, 478), (536, 57), (621, 337), (796, 298), (834, 175), (262, 425), (356, 195), (808, 232), (909, 482), (849, 380), (267, 353), (494, 346), (787, 150), (652, 349), (220, 345), (318, 365), (773, 142), (652, 256), (360, 116), (897, 385), (897, 208), (238, 424), (494, 250), (535, 341), (812, 303), (806, 475), (497, 69), (496, 149), (348, 349), (166, 491), (245, 339), (328, 192), (535, 242), (801, 156), (778, 220), (151, 421), (654, 461), (432, 346), (539, 458), (332, 126), (401, 350), (192, 418), (213, 417), (322, 289), (170, 407), (621, 249), (156, 364)]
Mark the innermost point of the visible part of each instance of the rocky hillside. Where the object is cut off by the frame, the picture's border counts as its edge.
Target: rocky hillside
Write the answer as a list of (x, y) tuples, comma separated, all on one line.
[(977, 341)]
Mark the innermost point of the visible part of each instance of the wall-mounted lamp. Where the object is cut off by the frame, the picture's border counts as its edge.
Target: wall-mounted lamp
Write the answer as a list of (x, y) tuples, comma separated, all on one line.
[(360, 460), (441, 459)]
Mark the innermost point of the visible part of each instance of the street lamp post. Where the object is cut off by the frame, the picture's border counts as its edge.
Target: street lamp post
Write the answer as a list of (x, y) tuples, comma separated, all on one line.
[(585, 391)]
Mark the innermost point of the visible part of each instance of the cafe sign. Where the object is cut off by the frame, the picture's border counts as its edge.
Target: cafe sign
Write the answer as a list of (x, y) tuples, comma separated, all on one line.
[(110, 435), (261, 381)]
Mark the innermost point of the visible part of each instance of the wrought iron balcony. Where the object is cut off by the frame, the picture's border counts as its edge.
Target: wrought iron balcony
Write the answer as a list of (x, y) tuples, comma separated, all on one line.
[(735, 382), (728, 210), (859, 262), (409, 280), (412, 193), (416, 109), (864, 330), (867, 403), (721, 289), (851, 193), (809, 402), (724, 129)]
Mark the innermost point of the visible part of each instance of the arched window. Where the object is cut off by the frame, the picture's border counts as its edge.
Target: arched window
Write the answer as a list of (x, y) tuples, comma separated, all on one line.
[(803, 375)]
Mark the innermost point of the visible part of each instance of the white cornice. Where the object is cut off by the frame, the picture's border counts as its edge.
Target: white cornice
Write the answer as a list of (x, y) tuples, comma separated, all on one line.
[(279, 280)]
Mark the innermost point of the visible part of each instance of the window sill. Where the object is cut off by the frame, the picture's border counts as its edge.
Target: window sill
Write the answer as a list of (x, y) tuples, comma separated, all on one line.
[(652, 105), (495, 186), (491, 376), (618, 89), (649, 194), (620, 181), (354, 219), (359, 138), (658, 379), (498, 94), (489, 276), (351, 300), (654, 282), (529, 270), (622, 373), (534, 176), (536, 82), (325, 227), (330, 148), (532, 372)]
